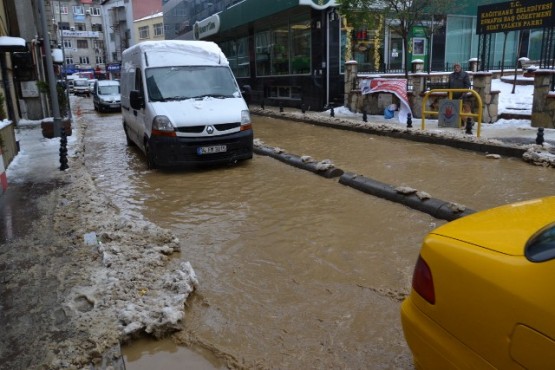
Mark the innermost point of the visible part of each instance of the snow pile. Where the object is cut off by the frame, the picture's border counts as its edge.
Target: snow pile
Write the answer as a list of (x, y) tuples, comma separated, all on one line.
[(114, 278)]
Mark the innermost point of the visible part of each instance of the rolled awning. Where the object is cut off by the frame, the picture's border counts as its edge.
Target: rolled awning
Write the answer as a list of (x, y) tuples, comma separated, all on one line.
[(12, 44)]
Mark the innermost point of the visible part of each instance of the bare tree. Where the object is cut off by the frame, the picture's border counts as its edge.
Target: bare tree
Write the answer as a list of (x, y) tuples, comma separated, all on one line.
[(401, 15)]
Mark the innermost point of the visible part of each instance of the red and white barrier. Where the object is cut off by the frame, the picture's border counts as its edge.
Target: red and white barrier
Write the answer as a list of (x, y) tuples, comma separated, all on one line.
[(3, 177)]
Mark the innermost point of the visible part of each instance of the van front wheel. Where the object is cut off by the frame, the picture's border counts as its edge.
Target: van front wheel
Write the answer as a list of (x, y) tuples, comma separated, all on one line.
[(127, 138), (151, 164)]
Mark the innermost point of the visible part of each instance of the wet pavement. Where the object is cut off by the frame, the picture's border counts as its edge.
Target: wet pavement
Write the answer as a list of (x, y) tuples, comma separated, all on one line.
[(37, 175), (18, 208)]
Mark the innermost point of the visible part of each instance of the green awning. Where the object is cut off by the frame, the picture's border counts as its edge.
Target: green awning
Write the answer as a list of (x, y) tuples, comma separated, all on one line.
[(251, 10)]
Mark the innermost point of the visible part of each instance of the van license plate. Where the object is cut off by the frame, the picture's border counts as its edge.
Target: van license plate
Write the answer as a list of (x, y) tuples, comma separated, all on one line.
[(211, 149)]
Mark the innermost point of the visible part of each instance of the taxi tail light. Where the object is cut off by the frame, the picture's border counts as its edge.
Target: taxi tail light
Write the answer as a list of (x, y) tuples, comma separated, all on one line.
[(422, 281)]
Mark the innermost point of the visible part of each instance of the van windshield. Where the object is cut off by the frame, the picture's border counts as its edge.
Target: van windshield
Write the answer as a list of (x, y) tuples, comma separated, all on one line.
[(108, 90), (180, 83)]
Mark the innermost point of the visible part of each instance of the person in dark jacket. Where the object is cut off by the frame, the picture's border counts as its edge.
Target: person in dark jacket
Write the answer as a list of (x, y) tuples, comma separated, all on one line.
[(459, 79)]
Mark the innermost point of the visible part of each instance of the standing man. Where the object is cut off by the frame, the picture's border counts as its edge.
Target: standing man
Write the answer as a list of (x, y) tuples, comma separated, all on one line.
[(459, 79)]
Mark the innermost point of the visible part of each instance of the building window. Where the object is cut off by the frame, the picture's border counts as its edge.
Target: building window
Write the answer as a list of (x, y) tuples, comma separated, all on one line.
[(82, 44), (280, 51), (95, 12), (300, 47), (68, 43), (284, 92), (83, 60), (284, 50), (60, 9), (80, 27), (63, 25), (96, 27), (237, 53), (78, 10), (69, 60), (143, 32), (158, 29), (99, 60), (263, 47)]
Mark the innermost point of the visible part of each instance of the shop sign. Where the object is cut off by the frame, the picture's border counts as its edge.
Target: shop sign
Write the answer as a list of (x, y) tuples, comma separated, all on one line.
[(206, 27), (515, 15), (318, 4), (113, 67), (83, 34)]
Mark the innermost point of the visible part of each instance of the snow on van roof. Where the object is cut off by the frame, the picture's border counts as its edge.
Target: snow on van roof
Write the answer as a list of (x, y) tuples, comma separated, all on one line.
[(180, 52), (108, 82)]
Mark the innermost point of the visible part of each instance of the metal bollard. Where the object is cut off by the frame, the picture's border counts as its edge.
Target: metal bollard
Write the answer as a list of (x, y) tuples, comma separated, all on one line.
[(303, 108), (332, 112), (468, 127), (539, 137), (409, 120), (63, 150), (281, 107), (364, 116), (262, 104)]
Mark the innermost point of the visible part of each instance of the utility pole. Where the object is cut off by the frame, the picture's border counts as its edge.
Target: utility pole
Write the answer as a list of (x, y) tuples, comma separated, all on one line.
[(50, 70), (64, 64)]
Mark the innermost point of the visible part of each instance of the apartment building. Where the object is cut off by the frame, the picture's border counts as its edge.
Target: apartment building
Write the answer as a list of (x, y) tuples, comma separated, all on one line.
[(77, 27), (150, 28), (121, 33)]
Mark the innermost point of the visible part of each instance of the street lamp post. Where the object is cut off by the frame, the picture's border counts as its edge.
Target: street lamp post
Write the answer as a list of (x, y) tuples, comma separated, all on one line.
[(50, 71), (64, 65)]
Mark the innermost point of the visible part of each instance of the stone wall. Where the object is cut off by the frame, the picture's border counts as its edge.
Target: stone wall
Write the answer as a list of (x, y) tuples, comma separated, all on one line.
[(543, 105), (374, 104)]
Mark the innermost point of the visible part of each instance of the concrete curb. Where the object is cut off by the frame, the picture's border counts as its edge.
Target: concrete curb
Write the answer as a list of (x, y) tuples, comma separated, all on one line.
[(415, 134), (409, 197), (320, 168)]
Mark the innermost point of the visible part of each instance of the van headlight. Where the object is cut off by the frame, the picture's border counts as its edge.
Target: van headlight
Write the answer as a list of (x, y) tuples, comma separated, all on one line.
[(162, 123), (245, 117), (245, 120)]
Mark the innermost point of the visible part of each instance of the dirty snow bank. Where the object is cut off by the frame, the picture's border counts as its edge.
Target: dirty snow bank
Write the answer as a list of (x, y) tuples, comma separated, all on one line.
[(135, 285), (94, 279)]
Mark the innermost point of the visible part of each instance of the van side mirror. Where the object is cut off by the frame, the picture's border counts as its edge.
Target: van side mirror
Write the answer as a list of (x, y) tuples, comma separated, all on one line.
[(136, 99)]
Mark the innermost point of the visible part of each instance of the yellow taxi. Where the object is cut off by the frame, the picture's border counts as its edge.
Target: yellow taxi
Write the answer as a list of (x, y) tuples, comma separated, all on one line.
[(483, 291)]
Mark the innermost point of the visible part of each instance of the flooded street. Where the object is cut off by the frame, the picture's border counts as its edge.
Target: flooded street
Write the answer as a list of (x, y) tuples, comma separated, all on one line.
[(296, 270)]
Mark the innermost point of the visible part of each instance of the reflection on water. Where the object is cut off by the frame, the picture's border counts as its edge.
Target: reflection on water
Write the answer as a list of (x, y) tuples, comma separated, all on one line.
[(149, 354), (296, 270)]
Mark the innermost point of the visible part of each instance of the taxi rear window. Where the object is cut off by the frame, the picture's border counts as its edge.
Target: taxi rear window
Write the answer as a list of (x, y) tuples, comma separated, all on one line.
[(542, 246)]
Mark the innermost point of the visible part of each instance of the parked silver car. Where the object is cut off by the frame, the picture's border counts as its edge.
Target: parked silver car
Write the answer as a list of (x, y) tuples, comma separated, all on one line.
[(106, 95)]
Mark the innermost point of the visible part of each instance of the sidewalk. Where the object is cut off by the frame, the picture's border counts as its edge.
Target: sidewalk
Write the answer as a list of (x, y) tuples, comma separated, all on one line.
[(68, 300), (33, 173)]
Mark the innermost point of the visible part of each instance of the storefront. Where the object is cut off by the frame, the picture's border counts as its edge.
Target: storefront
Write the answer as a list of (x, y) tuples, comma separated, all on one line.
[(286, 52)]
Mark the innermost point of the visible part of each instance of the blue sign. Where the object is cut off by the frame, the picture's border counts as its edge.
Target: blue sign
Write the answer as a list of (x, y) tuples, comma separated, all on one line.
[(113, 67)]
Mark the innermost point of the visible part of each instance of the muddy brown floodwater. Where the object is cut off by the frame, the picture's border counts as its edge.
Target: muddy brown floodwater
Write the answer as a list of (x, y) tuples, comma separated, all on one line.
[(296, 270)]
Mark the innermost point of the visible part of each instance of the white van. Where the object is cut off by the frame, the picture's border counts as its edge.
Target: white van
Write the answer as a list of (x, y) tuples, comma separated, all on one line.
[(81, 86), (182, 106)]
